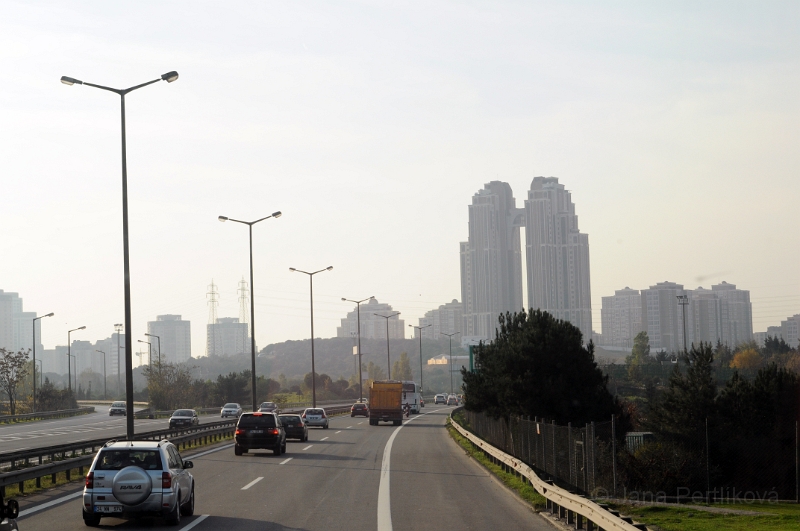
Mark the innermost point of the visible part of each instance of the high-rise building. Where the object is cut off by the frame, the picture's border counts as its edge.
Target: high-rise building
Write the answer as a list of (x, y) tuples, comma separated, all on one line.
[(16, 326), (491, 266), (446, 319), (621, 318), (790, 330), (372, 326), (227, 337), (175, 337), (722, 314), (557, 255), (662, 317)]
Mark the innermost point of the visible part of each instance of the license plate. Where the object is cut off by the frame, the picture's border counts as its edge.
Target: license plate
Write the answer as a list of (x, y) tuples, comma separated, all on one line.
[(108, 508), (256, 431)]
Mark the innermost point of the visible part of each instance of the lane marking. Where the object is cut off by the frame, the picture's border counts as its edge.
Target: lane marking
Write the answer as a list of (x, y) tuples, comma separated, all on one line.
[(285, 461), (194, 523), (307, 447), (201, 454), (362, 422), (340, 431), (252, 483), (323, 438), (347, 428), (384, 497), (49, 504)]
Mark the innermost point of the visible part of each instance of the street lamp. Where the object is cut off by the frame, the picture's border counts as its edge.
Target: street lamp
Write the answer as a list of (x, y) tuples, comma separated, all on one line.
[(41, 370), (159, 349), (169, 77), (34, 354), (69, 353), (70, 360), (149, 354), (118, 330), (105, 383), (388, 359), (450, 337), (358, 313), (683, 300), (313, 367), (420, 328), (252, 301)]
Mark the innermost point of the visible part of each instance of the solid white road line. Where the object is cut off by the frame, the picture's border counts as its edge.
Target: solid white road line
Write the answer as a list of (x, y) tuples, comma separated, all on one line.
[(384, 498), (194, 523), (285, 461), (49, 504), (252, 483), (323, 438), (307, 447)]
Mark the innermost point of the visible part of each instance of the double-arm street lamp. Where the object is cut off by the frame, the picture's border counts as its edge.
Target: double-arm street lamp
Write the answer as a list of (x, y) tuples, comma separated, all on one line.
[(450, 337), (420, 328), (69, 354), (313, 367), (159, 349), (388, 358), (105, 384), (358, 314), (169, 77), (252, 302), (34, 354)]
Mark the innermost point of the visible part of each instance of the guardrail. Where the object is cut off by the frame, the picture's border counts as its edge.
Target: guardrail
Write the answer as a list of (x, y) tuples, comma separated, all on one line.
[(48, 414), (575, 509)]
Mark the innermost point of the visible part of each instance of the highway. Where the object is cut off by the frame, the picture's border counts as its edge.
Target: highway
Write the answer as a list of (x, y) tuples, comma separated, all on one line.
[(350, 477)]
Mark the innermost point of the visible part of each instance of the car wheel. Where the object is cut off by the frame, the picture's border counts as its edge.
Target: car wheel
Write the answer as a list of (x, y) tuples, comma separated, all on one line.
[(237, 450), (325, 426), (91, 520), (283, 449), (277, 449), (174, 517), (188, 507)]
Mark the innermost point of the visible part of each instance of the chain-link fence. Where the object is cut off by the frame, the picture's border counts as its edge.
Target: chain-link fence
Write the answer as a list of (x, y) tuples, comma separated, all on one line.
[(596, 461)]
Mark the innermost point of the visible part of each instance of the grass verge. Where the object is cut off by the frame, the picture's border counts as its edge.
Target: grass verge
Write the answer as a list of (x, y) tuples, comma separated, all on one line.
[(523, 489), (776, 517)]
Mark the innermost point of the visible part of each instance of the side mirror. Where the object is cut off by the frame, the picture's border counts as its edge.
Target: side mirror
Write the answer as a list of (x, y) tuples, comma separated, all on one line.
[(11, 509), (188, 464)]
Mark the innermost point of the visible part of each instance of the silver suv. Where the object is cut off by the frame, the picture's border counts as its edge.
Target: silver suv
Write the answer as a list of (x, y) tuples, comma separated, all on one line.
[(129, 479)]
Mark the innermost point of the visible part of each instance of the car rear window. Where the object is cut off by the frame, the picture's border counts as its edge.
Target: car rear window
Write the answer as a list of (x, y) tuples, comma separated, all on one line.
[(290, 418), (118, 459), (359, 406), (256, 421), (183, 413), (268, 404), (230, 406), (118, 404), (313, 412)]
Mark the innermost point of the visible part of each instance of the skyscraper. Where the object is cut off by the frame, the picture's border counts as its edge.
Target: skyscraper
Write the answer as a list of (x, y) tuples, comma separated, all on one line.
[(621, 318), (557, 255), (175, 336), (372, 326), (491, 266)]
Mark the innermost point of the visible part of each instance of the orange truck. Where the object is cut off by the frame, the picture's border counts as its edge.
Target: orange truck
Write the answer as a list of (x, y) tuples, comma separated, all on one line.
[(385, 402)]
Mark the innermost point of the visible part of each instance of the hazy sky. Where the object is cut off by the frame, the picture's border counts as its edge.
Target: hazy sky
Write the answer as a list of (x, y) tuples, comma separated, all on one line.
[(371, 125)]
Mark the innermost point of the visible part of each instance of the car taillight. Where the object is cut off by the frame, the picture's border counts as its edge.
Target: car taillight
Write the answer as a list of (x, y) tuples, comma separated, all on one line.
[(275, 431), (90, 480), (166, 480), (239, 431), (323, 415)]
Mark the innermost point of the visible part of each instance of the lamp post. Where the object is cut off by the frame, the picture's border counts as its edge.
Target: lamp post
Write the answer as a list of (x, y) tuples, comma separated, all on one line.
[(420, 328), (159, 349), (69, 353), (252, 302), (149, 354), (118, 330), (34, 354), (105, 382), (388, 358), (450, 337), (683, 300), (358, 314), (41, 371), (169, 77), (313, 367), (70, 359)]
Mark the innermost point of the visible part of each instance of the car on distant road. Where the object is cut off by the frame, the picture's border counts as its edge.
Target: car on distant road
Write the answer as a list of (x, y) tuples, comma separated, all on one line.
[(440, 399), (131, 479), (294, 426), (231, 410), (258, 430), (315, 416), (117, 408), (359, 410), (269, 407), (452, 400), (183, 417)]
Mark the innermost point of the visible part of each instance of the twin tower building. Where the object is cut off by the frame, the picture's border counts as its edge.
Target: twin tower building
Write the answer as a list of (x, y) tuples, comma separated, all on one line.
[(556, 258)]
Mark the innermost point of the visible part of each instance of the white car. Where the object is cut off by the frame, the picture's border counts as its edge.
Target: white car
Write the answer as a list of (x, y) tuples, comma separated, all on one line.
[(440, 399), (231, 409), (315, 416), (117, 408)]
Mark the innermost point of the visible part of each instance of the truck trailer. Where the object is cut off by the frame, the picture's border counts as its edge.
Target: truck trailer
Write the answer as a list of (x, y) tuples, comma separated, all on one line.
[(386, 402)]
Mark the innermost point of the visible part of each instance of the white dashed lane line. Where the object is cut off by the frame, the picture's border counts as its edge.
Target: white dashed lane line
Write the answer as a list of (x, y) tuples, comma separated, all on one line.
[(252, 483), (307, 447), (340, 431), (285, 461), (323, 438)]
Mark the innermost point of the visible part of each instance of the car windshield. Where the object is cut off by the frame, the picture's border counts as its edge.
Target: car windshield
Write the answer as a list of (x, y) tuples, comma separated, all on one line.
[(231, 406), (183, 413), (256, 421), (112, 459)]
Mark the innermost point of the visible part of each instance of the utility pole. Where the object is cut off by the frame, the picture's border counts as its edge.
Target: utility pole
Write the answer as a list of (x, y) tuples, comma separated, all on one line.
[(683, 300), (420, 328)]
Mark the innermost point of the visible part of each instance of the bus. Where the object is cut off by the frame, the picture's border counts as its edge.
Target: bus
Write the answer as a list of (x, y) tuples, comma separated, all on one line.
[(412, 396)]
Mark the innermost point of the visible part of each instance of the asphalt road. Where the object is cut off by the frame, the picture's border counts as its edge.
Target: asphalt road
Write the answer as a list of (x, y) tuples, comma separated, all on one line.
[(350, 477), (98, 425)]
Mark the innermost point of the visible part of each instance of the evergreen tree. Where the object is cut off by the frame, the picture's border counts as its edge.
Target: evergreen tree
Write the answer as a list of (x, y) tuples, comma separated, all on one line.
[(401, 369), (640, 356)]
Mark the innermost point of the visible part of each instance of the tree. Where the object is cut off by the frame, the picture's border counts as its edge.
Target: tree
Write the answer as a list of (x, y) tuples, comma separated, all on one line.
[(538, 366), (169, 385), (375, 372), (13, 370), (48, 398), (640, 355), (747, 360), (401, 369)]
